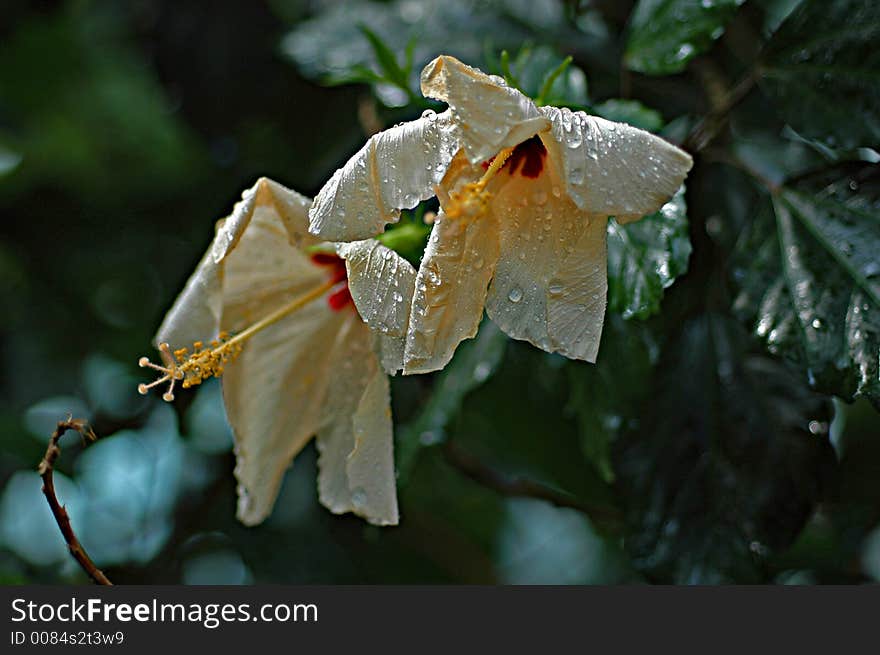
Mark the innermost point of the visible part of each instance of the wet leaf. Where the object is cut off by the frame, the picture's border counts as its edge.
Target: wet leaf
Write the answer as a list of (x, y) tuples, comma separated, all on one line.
[(604, 397), (645, 257), (517, 427), (664, 35), (809, 279), (736, 458), (332, 47), (822, 68), (474, 362), (632, 112), (541, 73)]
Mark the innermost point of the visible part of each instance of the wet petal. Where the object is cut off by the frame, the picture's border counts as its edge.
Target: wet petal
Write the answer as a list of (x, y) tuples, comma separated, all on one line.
[(541, 230), (291, 207), (578, 295), (195, 314), (450, 290), (274, 392), (381, 284), (370, 466), (489, 114), (390, 351), (355, 438), (264, 271), (613, 169), (395, 170)]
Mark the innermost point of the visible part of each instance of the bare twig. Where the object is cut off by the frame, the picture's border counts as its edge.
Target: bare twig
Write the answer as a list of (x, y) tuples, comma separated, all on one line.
[(519, 487), (721, 104), (45, 469)]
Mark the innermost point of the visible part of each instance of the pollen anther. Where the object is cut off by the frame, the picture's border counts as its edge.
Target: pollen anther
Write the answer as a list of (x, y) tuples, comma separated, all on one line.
[(472, 201), (203, 363)]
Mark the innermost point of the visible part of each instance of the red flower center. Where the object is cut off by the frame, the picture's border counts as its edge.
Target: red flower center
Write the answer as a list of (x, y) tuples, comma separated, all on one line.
[(527, 158), (341, 298)]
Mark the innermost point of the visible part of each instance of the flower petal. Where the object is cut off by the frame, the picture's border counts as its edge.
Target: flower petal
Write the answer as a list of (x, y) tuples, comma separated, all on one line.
[(291, 207), (381, 284), (489, 114), (543, 233), (274, 393), (355, 445), (578, 295), (613, 169), (396, 169), (450, 290), (390, 351), (195, 314), (275, 388), (370, 466), (264, 271)]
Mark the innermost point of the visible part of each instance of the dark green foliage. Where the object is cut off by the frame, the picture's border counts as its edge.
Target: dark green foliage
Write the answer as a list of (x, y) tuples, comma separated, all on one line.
[(645, 257), (664, 35), (729, 462), (811, 279), (822, 68)]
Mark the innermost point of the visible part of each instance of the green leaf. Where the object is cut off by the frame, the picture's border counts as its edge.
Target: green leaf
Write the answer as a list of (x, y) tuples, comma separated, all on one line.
[(86, 125), (604, 397), (474, 362), (809, 280), (386, 58), (541, 73), (822, 68), (775, 12), (632, 112), (664, 35), (9, 160), (330, 46), (727, 463), (645, 257), (517, 427)]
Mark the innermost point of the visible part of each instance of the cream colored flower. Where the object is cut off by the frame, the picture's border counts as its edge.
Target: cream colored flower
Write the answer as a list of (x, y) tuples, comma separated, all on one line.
[(300, 361), (525, 193)]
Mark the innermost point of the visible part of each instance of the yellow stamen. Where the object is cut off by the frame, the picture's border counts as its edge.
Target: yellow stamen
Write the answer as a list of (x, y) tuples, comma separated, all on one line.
[(473, 199), (499, 161), (203, 363)]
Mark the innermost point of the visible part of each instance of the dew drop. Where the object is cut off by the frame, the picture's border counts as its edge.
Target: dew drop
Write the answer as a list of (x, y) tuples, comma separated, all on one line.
[(685, 51), (358, 498), (515, 294), (482, 371)]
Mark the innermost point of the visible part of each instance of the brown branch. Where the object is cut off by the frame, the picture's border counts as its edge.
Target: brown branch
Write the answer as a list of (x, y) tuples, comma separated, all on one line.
[(474, 469), (721, 104), (45, 469)]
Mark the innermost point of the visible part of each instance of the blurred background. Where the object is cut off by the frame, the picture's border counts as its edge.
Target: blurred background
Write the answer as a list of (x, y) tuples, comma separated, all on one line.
[(728, 433)]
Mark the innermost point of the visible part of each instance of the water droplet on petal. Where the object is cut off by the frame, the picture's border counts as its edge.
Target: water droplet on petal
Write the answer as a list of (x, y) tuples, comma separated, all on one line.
[(358, 498)]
